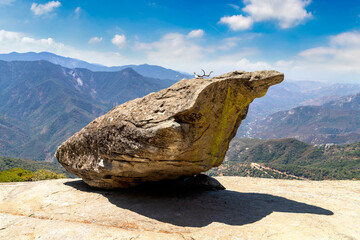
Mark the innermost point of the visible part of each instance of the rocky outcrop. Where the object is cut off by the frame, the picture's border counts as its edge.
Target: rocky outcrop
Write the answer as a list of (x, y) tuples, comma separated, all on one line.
[(179, 131), (251, 208)]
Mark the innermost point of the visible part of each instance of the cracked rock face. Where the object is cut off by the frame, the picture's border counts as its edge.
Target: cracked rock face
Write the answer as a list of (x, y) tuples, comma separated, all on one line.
[(179, 131)]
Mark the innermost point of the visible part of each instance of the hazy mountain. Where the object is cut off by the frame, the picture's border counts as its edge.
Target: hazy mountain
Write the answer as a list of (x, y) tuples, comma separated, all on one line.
[(53, 58), (290, 159), (334, 122), (42, 104), (115, 87), (293, 94), (154, 71), (12, 132), (289, 95), (146, 70)]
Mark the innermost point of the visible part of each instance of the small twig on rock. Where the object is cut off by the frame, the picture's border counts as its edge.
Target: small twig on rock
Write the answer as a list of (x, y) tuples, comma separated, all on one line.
[(202, 76)]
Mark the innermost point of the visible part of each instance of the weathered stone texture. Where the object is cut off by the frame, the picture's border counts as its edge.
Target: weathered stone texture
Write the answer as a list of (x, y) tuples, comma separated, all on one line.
[(251, 208), (179, 131)]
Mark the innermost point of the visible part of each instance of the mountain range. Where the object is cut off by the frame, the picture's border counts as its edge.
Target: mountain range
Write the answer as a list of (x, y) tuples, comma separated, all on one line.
[(335, 122), (291, 94), (42, 104), (146, 70)]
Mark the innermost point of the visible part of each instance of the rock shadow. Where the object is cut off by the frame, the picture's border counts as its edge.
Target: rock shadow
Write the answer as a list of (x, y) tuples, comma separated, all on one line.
[(182, 206)]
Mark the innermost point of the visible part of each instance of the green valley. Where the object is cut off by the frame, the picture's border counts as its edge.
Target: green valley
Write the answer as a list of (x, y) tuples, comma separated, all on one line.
[(8, 163), (290, 159)]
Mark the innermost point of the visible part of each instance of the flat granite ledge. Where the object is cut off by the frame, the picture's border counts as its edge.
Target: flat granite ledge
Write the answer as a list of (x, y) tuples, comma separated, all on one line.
[(250, 208)]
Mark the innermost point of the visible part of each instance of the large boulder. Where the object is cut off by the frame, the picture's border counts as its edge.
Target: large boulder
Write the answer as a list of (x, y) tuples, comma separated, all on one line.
[(179, 131)]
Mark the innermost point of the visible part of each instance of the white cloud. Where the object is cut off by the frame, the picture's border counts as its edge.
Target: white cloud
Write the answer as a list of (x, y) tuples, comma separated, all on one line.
[(228, 43), (6, 36), (347, 39), (247, 65), (141, 46), (196, 33), (232, 42), (336, 61), (77, 12), (237, 22), (178, 51), (283, 63), (236, 7), (119, 40), (238, 61), (235, 44), (6, 2), (342, 53), (95, 40), (48, 42), (171, 49), (287, 13), (20, 42), (14, 41), (41, 9)]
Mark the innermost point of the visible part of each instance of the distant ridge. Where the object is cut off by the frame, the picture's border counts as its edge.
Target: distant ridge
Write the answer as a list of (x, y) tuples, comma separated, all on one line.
[(288, 95), (42, 104), (335, 122), (146, 70)]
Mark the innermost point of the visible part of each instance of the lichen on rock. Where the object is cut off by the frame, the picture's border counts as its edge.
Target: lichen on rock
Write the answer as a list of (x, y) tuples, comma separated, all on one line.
[(179, 131)]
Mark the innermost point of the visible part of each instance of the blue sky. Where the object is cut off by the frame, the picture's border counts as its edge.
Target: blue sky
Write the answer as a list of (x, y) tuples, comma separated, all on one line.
[(306, 39)]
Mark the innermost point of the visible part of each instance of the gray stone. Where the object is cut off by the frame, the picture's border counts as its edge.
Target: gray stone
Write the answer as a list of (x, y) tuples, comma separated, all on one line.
[(179, 131), (202, 181)]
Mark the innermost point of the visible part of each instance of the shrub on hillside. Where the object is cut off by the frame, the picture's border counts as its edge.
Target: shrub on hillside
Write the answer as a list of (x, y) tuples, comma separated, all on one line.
[(44, 174), (16, 175), (22, 175)]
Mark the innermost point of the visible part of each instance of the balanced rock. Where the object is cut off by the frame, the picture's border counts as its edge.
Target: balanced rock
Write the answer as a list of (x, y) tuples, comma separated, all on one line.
[(179, 131)]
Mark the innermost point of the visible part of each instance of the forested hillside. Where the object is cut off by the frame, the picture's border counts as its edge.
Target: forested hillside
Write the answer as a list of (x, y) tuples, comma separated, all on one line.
[(42, 104), (7, 163), (290, 159)]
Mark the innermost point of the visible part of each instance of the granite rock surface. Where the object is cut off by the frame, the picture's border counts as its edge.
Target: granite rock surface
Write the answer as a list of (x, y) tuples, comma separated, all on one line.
[(250, 208), (179, 131)]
